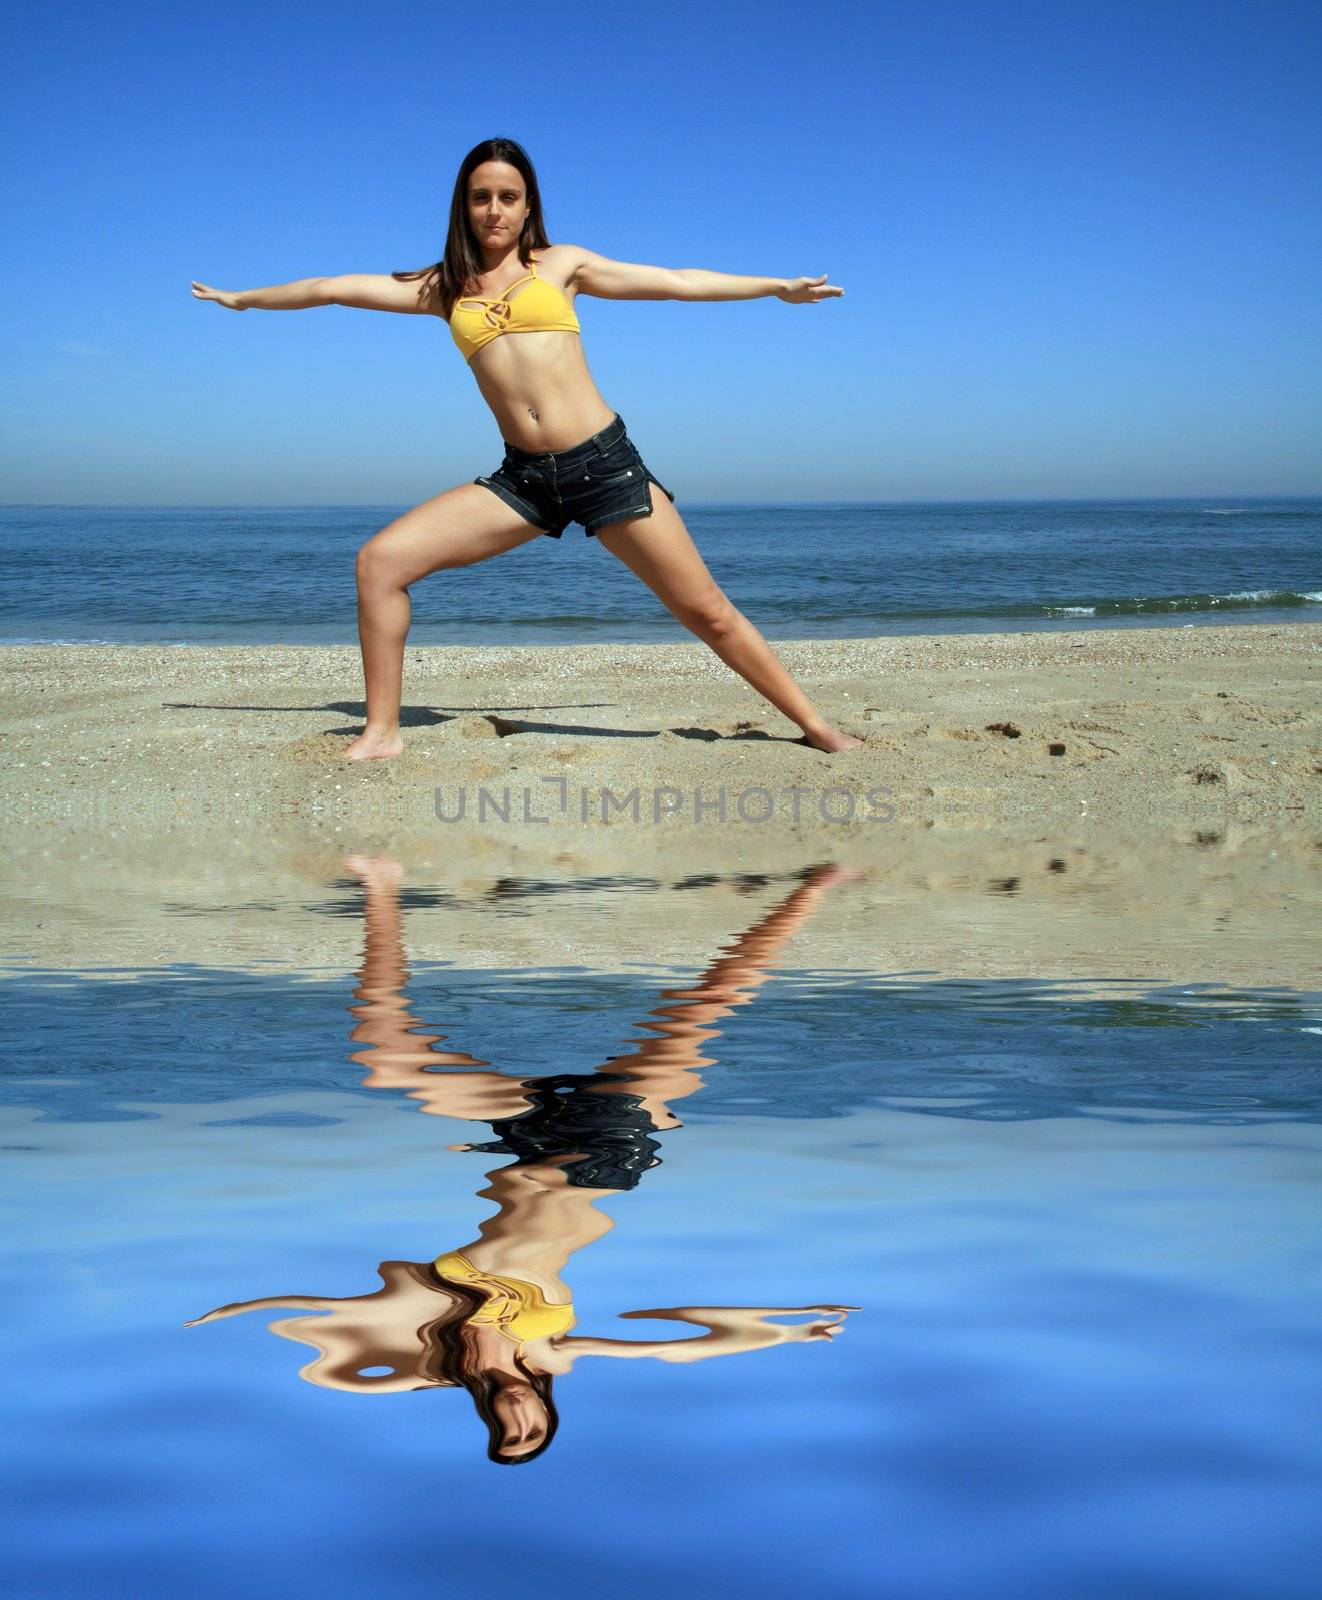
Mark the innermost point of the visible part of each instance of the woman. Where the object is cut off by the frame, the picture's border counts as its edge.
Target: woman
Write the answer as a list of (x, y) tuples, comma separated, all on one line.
[(494, 1317), (568, 457)]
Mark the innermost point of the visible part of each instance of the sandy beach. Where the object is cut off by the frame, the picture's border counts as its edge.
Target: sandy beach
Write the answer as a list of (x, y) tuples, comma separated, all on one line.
[(150, 790), (1138, 725), (1235, 906)]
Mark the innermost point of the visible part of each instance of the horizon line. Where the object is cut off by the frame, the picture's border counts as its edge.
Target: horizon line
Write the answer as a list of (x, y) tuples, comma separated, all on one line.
[(349, 505)]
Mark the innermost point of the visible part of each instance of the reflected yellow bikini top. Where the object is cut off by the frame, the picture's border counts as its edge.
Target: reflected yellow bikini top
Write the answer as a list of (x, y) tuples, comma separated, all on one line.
[(541, 307), (517, 1308)]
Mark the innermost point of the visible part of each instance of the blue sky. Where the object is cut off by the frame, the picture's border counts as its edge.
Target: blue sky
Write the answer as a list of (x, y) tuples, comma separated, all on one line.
[(1079, 243)]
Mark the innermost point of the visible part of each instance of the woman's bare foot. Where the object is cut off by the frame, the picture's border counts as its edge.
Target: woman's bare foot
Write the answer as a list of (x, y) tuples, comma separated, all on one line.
[(831, 740), (376, 870), (372, 746), (824, 877)]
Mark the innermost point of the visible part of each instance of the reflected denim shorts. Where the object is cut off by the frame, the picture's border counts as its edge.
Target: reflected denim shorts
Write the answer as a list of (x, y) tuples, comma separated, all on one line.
[(600, 481)]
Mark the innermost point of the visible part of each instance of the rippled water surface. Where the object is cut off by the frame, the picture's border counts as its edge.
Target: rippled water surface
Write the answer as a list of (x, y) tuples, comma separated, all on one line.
[(1062, 1240), (83, 574)]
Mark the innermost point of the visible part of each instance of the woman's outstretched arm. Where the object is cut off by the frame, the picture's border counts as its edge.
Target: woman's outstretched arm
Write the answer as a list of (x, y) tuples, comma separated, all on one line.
[(272, 1302), (370, 291), (629, 280), (731, 1331)]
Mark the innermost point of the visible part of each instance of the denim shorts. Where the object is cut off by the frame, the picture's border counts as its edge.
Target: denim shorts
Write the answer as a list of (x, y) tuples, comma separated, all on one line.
[(600, 481)]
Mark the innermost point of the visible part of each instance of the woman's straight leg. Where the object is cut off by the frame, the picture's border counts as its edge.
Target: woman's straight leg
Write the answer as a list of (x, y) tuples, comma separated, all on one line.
[(458, 528), (659, 550)]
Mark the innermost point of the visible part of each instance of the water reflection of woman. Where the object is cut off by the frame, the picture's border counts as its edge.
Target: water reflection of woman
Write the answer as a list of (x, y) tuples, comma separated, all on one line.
[(495, 1316)]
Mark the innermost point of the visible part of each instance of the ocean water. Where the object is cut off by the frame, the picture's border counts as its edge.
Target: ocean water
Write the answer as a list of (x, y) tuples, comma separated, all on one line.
[(1077, 1221), (198, 575)]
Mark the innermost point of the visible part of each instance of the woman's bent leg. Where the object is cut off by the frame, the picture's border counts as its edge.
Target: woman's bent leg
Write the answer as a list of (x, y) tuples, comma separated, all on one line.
[(658, 550), (455, 529)]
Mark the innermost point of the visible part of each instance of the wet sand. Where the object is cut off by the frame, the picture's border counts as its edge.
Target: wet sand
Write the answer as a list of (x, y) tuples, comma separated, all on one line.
[(1219, 906)]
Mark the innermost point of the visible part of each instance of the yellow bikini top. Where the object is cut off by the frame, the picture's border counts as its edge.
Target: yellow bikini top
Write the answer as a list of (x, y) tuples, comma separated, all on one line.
[(517, 1308), (541, 307)]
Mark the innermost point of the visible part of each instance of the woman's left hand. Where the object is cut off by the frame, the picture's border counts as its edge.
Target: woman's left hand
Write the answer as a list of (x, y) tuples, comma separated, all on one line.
[(825, 1327), (806, 291)]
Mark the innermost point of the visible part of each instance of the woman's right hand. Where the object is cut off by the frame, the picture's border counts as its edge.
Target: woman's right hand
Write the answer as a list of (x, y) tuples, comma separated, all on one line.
[(224, 297), (825, 1326)]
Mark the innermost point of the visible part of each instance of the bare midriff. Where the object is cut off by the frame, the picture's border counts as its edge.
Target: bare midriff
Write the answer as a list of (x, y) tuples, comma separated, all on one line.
[(540, 390)]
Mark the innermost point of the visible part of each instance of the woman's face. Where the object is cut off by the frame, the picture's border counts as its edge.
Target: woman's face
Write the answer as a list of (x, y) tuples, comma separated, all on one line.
[(497, 204), (521, 1416)]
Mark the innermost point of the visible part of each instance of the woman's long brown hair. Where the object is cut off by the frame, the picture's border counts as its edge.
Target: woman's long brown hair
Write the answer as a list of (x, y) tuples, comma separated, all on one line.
[(451, 1361), (462, 262)]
